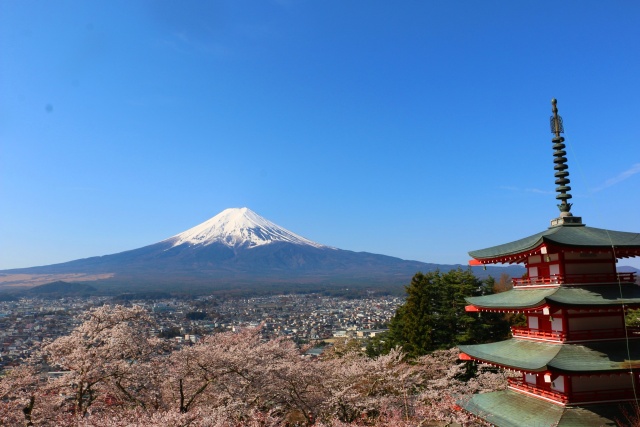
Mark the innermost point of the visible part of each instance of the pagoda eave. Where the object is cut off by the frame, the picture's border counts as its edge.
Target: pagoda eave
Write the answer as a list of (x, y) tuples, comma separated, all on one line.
[(508, 408), (536, 356), (521, 257), (510, 259), (626, 253), (574, 296), (562, 238), (467, 357), (512, 300), (521, 355), (471, 308)]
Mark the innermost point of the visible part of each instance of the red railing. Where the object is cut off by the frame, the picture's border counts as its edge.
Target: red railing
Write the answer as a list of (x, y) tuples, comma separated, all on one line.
[(524, 332), (519, 384), (576, 397), (593, 334), (558, 279)]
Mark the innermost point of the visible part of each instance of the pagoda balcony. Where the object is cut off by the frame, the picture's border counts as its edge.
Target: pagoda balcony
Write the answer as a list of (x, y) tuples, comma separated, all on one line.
[(519, 384), (586, 335), (558, 279), (539, 334), (593, 396)]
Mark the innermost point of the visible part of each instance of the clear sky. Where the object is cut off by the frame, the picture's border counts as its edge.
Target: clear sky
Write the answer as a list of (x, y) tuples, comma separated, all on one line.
[(417, 129)]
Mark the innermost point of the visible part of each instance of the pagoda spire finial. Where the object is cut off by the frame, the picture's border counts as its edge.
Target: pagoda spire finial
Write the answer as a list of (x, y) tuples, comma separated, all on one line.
[(556, 120), (560, 160), (561, 168)]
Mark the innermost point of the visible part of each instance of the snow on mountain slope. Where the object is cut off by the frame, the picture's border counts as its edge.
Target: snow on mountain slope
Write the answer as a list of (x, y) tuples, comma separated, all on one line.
[(238, 227)]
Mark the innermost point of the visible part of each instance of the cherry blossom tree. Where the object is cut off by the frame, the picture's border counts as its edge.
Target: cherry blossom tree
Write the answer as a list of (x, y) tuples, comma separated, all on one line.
[(107, 359), (241, 373), (115, 375), (361, 387), (446, 386), (20, 394)]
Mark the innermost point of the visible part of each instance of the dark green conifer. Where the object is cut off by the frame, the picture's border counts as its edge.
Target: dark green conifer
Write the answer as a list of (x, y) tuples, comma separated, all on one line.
[(433, 316)]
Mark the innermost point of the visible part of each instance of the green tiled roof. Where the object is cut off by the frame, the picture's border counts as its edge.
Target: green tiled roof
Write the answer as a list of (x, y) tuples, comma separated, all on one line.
[(567, 235), (597, 356), (597, 295), (514, 298), (535, 356), (520, 354), (564, 295), (510, 409)]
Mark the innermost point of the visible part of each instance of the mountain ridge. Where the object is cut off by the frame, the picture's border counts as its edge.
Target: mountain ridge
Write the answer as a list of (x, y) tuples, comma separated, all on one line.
[(238, 246)]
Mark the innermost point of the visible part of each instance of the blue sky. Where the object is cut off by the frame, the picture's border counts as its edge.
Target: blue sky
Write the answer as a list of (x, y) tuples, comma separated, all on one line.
[(416, 129)]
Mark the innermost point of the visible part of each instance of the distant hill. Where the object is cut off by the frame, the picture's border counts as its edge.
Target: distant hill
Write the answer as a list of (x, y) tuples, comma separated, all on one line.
[(7, 297), (61, 288)]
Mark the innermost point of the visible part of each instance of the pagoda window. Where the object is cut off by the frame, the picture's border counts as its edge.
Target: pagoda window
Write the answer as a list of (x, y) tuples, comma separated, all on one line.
[(533, 322), (530, 379), (556, 324), (540, 268), (535, 259), (558, 384)]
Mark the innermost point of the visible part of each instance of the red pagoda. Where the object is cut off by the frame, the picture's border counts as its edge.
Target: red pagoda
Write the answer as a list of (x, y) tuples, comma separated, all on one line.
[(576, 360)]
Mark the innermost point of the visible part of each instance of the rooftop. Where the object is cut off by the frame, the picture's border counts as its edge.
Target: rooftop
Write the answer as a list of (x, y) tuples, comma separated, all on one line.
[(511, 409), (573, 236), (535, 356), (587, 296)]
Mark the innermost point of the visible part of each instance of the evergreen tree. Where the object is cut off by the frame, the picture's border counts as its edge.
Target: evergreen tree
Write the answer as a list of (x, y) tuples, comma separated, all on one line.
[(433, 316)]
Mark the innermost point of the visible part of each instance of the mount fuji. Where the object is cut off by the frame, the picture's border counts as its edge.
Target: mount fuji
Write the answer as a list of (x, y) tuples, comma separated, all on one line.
[(235, 248), (238, 228)]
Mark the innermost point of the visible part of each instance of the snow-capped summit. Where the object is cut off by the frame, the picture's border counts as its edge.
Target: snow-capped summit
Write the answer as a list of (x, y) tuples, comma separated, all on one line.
[(239, 227)]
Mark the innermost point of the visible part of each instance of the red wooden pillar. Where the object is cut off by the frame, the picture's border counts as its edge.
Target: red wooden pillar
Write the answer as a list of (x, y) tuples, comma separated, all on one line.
[(565, 323), (568, 388)]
